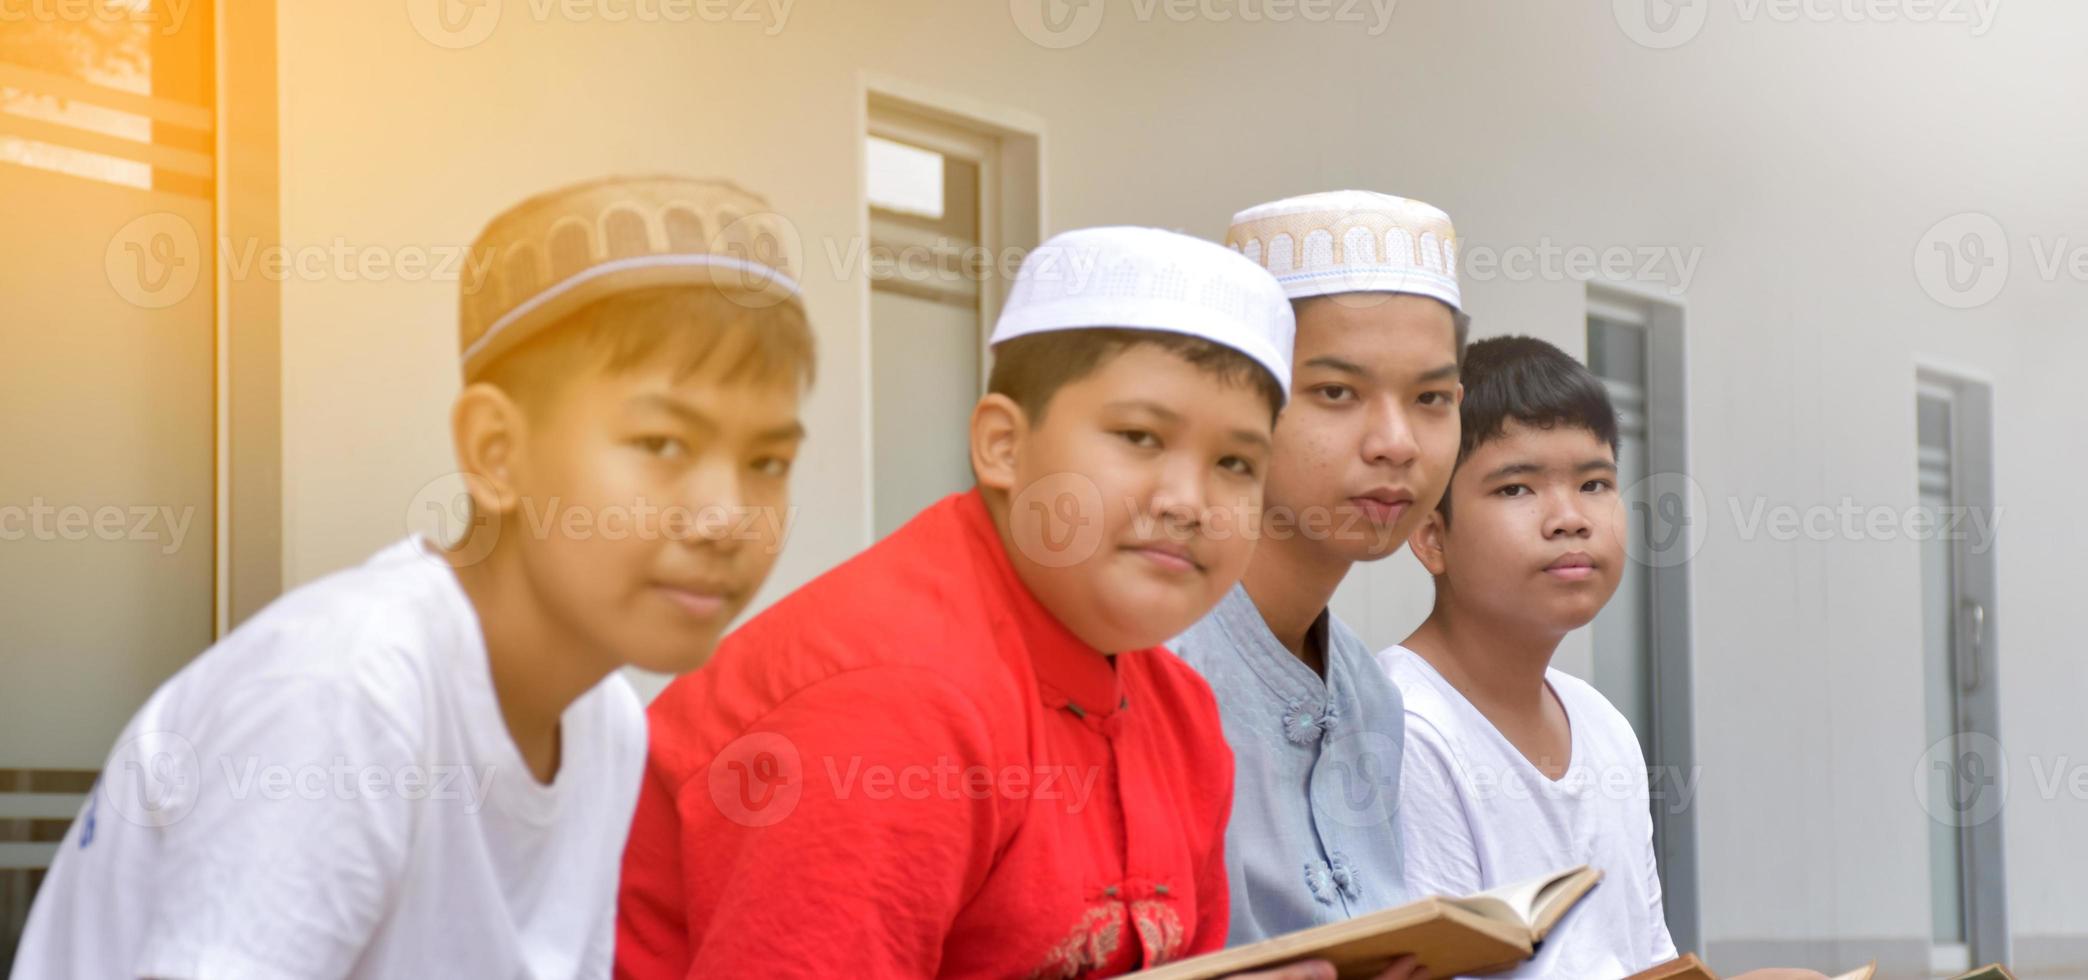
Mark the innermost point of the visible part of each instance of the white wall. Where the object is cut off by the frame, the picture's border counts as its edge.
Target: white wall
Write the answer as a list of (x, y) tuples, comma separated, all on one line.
[(1804, 160)]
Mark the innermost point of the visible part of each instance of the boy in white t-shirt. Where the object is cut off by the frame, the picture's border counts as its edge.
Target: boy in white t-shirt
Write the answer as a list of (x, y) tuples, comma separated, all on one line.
[(1512, 769), (426, 766)]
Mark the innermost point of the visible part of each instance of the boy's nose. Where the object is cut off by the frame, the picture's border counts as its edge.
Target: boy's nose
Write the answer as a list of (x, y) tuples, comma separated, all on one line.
[(713, 499), (1388, 438), (1567, 518), (1178, 494)]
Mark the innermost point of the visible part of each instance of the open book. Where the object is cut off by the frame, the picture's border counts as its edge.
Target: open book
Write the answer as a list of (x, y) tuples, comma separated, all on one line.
[(1490, 931), (1991, 971), (1688, 967)]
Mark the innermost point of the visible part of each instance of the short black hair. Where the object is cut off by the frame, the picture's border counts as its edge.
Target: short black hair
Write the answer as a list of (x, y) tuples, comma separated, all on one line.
[(1031, 368), (1460, 321), (1532, 382)]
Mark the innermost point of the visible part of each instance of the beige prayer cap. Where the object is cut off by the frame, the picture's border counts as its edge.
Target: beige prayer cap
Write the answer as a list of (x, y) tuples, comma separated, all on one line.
[(561, 250), (1351, 242)]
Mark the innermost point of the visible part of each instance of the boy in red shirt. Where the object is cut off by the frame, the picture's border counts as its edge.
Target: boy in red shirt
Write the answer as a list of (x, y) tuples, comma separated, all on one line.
[(963, 752)]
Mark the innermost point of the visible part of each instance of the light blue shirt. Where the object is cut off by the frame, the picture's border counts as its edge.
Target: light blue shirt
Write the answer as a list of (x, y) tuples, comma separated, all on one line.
[(1313, 837)]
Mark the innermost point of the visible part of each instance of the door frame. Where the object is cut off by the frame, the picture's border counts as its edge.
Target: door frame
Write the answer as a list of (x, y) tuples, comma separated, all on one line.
[(1670, 600), (1007, 144), (1975, 644)]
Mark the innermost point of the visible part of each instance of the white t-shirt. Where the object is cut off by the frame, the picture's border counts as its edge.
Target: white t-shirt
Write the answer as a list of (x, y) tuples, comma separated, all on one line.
[(1475, 814), (331, 791)]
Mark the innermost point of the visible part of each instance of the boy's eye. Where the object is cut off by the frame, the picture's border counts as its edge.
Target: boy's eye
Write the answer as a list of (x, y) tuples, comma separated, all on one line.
[(1140, 438), (1597, 486), (1238, 465), (1435, 398), (665, 447), (1513, 490), (775, 466), (1335, 393)]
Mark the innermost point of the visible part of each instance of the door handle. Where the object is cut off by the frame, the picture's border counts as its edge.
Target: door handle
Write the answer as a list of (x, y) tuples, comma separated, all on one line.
[(1971, 669)]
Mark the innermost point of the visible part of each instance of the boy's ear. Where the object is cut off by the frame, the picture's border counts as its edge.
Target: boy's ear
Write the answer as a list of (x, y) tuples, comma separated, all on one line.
[(488, 429), (1427, 542), (998, 427)]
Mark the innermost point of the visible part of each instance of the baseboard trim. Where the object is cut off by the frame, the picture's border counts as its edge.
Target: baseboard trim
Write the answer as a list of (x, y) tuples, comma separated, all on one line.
[(2050, 956), (1897, 958)]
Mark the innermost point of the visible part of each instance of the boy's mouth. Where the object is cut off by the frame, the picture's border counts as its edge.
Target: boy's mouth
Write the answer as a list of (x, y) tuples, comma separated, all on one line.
[(701, 600), (1572, 566), (1384, 505), (1168, 555)]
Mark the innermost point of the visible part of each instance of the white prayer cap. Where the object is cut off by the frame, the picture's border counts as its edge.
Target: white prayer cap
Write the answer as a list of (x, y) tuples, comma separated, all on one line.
[(1351, 242), (1149, 279)]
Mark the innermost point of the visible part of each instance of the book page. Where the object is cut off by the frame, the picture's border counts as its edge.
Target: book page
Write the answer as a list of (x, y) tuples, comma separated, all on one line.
[(1521, 903)]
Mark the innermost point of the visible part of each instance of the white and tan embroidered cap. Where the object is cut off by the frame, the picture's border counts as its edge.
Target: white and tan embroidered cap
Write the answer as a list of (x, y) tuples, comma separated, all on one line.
[(1351, 242), (561, 250), (1150, 279)]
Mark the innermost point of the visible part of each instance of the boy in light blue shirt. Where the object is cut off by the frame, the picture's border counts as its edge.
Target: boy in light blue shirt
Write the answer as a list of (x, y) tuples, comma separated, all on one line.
[(1362, 455)]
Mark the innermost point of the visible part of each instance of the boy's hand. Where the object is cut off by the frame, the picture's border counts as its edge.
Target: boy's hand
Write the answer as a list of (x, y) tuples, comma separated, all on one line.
[(1403, 968), (1780, 973)]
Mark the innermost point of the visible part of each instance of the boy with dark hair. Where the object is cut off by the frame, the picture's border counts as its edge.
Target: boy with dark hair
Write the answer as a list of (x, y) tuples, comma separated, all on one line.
[(426, 765), (1506, 758), (1362, 454), (1514, 769), (963, 752)]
